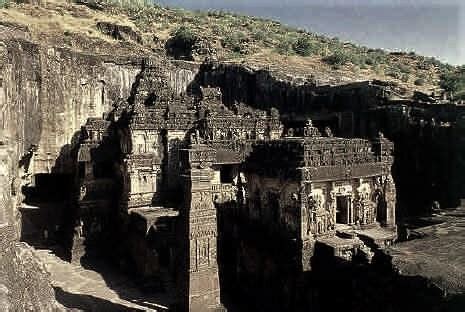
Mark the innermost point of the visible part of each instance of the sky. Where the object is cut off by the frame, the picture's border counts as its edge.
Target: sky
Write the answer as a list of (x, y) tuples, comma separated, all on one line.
[(429, 27)]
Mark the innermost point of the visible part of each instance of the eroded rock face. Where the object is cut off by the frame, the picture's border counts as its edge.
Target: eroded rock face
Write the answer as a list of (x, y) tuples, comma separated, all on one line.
[(25, 284), (119, 32), (49, 93)]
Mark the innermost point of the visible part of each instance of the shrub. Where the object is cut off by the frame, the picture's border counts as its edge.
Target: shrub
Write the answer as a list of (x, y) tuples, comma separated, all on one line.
[(217, 13), (235, 42), (284, 47), (338, 58), (460, 95), (4, 3), (185, 35), (181, 43), (420, 82), (453, 81), (393, 72), (375, 57), (370, 61), (404, 68), (217, 29), (304, 46), (127, 4), (259, 35)]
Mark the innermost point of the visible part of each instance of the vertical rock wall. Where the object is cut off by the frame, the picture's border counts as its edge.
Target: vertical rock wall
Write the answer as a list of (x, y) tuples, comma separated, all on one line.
[(49, 93)]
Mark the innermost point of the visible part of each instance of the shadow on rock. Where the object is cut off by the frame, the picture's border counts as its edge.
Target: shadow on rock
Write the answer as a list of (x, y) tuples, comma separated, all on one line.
[(87, 302)]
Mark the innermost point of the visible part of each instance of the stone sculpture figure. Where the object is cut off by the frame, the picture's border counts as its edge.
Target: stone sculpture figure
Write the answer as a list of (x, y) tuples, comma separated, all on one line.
[(328, 132), (378, 203), (310, 130), (194, 139), (311, 207)]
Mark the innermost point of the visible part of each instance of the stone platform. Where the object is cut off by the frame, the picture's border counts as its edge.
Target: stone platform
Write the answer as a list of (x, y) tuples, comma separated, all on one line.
[(344, 248), (374, 236)]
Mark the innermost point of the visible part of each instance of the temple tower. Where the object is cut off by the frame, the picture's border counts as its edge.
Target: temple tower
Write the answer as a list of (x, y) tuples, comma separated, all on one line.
[(198, 281)]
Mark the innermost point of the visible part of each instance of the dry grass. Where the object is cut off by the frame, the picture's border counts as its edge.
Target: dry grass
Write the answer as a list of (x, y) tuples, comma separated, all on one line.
[(62, 23)]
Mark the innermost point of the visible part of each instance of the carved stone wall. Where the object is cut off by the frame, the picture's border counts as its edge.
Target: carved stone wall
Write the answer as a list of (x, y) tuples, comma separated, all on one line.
[(274, 204), (199, 281)]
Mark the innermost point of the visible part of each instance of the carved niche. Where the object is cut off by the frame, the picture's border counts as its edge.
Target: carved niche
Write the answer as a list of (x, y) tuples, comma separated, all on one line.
[(319, 216), (363, 208)]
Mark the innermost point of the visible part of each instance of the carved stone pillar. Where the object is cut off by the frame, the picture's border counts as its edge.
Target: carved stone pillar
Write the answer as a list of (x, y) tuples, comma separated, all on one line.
[(390, 198), (199, 282)]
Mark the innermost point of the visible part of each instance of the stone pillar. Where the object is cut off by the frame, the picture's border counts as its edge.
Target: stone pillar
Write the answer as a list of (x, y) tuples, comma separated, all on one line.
[(390, 198), (199, 281)]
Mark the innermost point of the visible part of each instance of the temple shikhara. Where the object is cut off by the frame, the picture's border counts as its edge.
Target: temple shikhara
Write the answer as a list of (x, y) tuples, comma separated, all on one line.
[(166, 172)]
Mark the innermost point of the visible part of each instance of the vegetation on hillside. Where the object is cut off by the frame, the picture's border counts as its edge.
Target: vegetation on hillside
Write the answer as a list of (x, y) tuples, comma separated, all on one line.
[(240, 35), (195, 34), (4, 3), (454, 81)]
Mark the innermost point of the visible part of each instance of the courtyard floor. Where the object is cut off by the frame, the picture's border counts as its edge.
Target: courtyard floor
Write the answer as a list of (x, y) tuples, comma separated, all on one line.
[(438, 253), (81, 289)]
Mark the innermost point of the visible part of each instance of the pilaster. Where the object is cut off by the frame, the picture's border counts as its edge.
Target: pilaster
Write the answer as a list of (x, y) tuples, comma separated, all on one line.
[(199, 280)]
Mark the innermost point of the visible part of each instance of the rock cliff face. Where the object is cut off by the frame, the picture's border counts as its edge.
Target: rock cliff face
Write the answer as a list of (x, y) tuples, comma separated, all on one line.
[(24, 282), (46, 95), (49, 93)]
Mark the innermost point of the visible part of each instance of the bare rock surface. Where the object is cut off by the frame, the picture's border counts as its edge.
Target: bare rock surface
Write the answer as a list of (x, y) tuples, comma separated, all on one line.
[(82, 289), (24, 281), (439, 255)]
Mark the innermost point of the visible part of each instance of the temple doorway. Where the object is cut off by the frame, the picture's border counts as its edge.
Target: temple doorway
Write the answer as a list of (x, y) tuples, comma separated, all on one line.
[(344, 213)]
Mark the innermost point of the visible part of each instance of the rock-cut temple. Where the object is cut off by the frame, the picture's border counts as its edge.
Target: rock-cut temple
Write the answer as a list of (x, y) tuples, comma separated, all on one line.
[(191, 186)]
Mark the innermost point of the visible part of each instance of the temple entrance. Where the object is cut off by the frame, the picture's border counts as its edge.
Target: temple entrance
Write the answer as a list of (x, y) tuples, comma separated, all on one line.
[(344, 213)]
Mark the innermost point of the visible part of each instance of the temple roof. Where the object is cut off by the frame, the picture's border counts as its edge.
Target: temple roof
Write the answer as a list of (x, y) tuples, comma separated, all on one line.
[(320, 158)]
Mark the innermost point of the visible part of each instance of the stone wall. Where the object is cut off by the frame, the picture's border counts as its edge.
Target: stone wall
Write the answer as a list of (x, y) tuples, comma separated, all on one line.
[(48, 94), (292, 96), (24, 281)]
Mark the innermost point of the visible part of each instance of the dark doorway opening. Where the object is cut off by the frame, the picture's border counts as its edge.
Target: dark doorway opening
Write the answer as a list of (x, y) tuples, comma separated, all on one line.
[(343, 210), (226, 174)]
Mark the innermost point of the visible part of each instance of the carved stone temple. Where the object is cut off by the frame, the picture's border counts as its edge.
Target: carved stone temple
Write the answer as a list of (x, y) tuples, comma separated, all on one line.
[(184, 181), (314, 187), (146, 180)]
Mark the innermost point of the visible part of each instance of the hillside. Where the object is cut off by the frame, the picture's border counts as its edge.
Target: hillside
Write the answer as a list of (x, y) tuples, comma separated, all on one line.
[(130, 27)]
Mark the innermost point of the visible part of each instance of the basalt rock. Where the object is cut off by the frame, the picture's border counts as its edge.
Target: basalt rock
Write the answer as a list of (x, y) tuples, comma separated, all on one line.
[(119, 32), (24, 281)]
